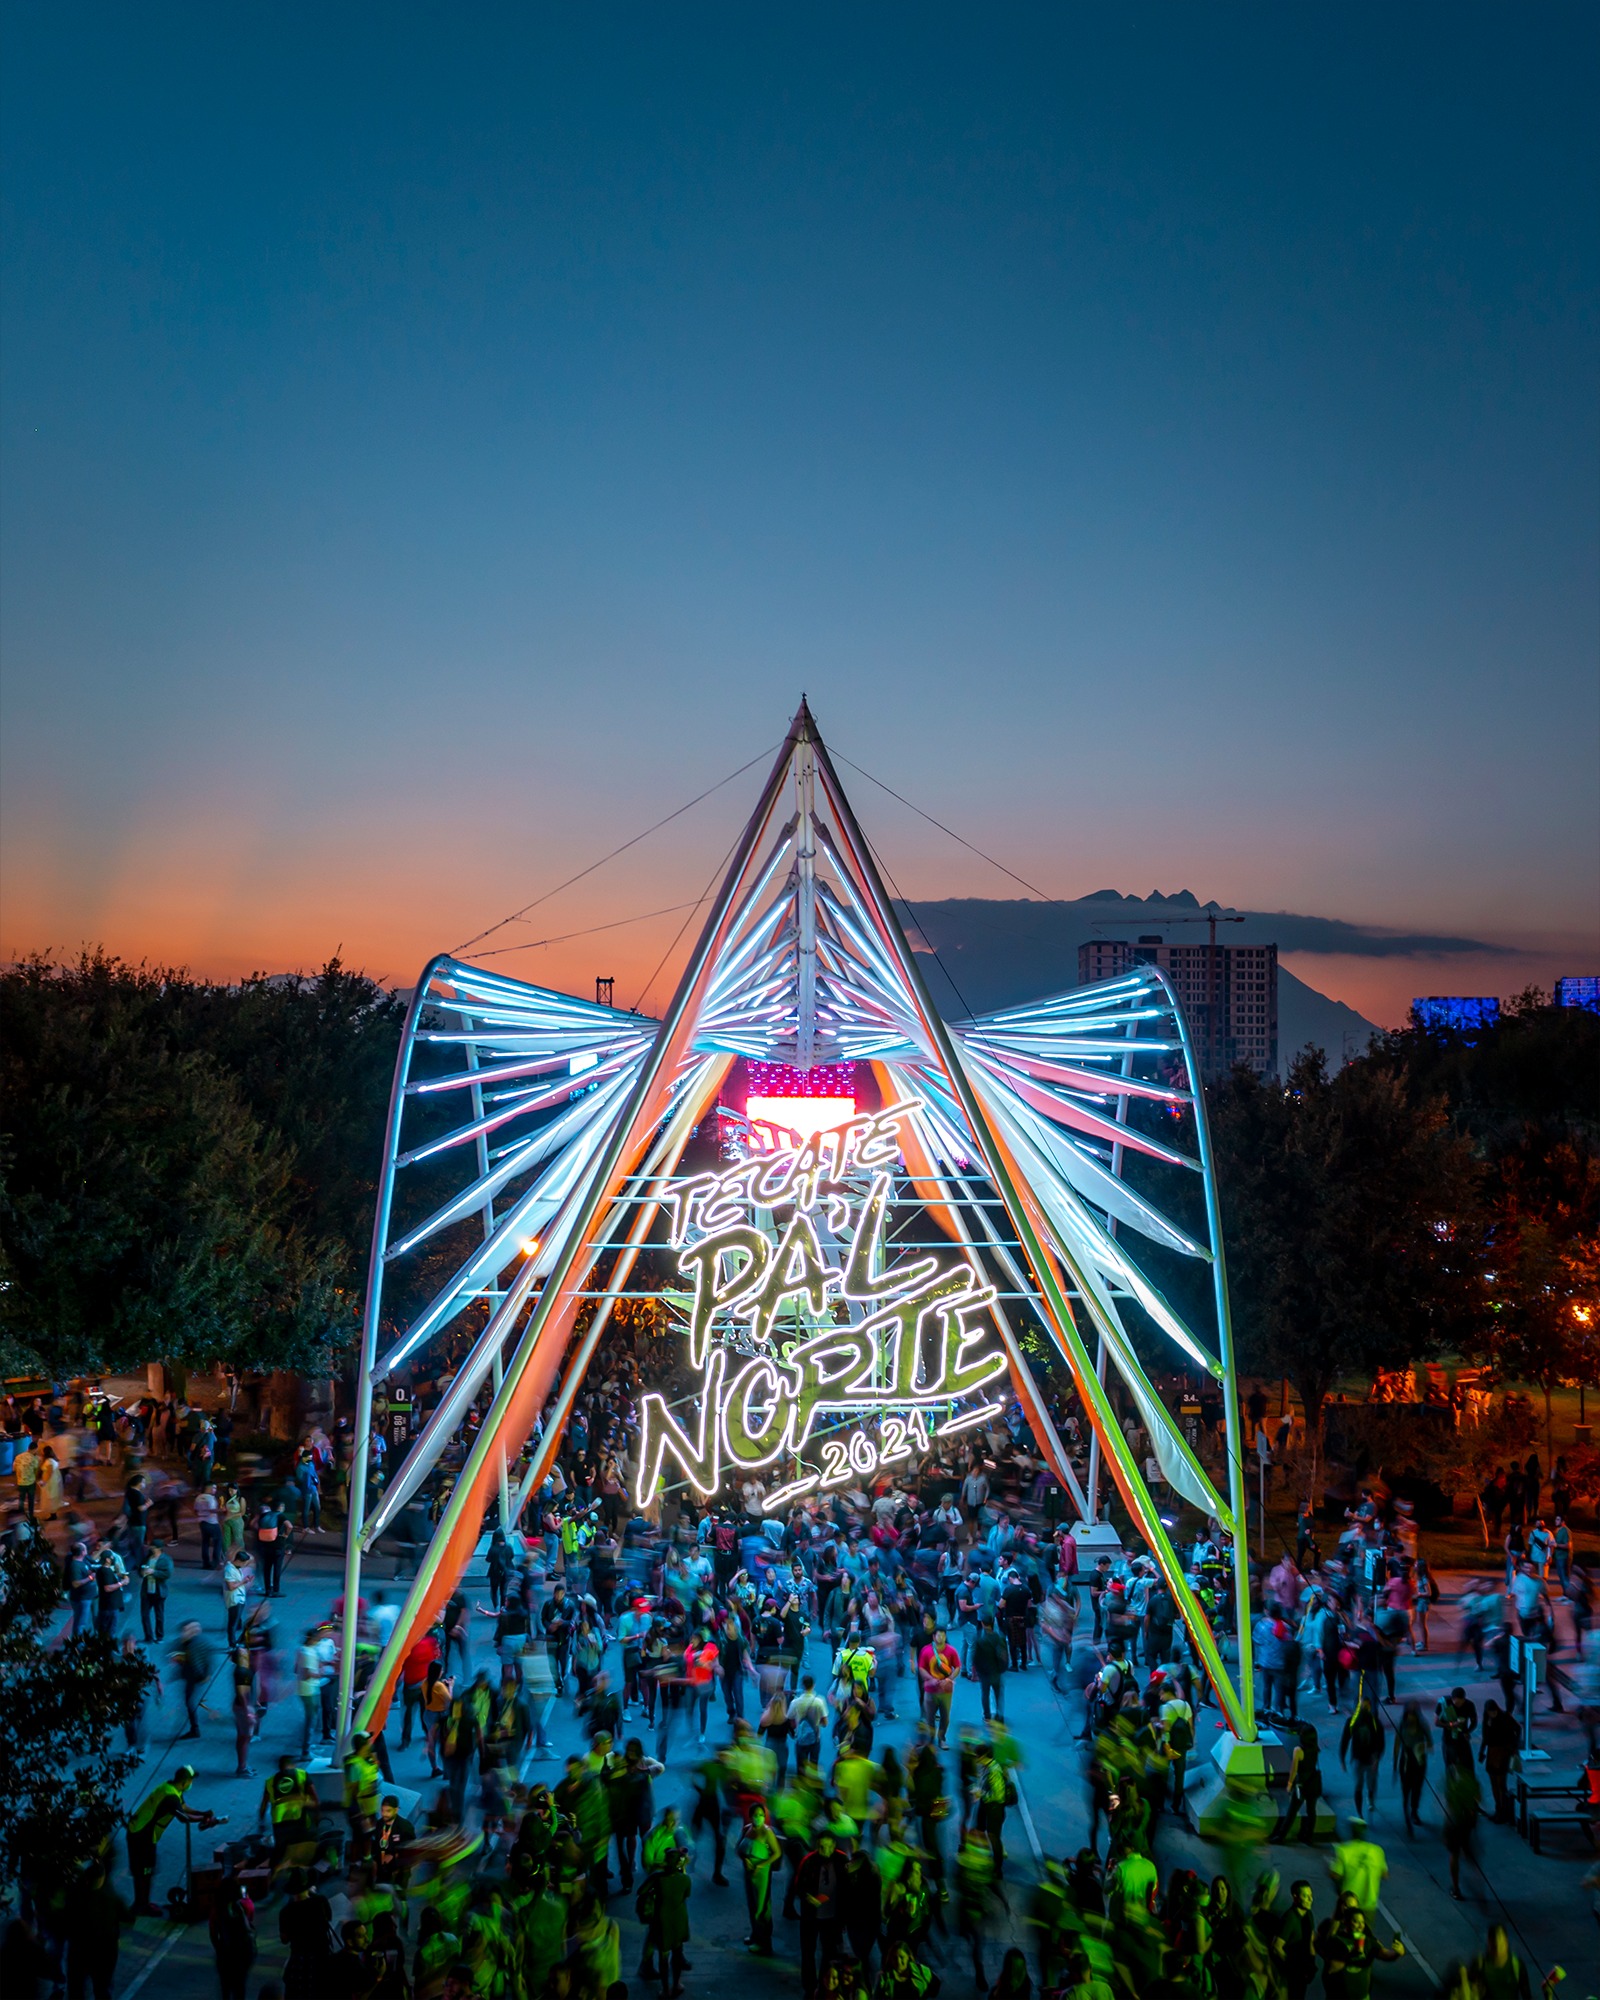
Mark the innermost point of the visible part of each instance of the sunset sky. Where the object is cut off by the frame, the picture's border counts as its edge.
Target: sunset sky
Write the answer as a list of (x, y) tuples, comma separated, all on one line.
[(435, 444)]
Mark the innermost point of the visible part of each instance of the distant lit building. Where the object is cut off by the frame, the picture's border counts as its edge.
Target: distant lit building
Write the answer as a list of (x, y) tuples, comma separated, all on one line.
[(1229, 994), (1456, 1013), (1579, 993)]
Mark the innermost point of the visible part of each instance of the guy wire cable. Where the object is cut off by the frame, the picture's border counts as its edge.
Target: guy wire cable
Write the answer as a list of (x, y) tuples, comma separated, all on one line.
[(677, 813)]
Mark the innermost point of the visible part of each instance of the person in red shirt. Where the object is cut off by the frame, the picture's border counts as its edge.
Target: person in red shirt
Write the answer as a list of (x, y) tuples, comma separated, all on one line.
[(413, 1677), (701, 1667), (937, 1668)]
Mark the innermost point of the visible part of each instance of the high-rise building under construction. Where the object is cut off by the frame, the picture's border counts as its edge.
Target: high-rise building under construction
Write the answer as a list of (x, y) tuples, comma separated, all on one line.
[(1228, 992)]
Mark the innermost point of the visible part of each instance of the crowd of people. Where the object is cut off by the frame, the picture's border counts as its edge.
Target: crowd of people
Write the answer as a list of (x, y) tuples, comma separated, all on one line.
[(760, 1660)]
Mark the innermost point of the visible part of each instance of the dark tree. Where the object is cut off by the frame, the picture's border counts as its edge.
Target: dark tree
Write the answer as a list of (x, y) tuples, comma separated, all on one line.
[(188, 1168), (1350, 1217), (1545, 1282), (314, 1059), (1525, 1093), (1535, 1071)]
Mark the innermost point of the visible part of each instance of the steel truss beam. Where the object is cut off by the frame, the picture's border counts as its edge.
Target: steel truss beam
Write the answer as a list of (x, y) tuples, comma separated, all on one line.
[(1054, 1114)]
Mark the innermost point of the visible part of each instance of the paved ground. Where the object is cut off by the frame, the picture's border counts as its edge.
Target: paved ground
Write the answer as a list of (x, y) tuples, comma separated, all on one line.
[(1541, 1900)]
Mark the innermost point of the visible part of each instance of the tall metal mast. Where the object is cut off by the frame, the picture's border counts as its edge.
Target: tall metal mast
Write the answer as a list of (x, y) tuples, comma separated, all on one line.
[(805, 779)]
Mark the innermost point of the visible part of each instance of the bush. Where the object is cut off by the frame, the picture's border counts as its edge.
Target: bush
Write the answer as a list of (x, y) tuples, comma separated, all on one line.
[(60, 1777)]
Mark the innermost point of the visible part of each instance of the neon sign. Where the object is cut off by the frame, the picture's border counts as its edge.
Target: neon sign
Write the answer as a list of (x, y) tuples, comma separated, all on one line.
[(787, 1103), (805, 1116), (813, 1353)]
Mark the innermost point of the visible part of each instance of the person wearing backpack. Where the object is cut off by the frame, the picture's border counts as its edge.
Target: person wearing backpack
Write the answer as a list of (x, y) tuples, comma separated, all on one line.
[(808, 1714), (1267, 1638), (1177, 1722), (1108, 1689), (233, 1938), (1160, 1615), (289, 1804), (1362, 1740)]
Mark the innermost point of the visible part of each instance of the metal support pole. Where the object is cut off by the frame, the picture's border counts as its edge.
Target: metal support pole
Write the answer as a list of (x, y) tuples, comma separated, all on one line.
[(361, 1443), (805, 1043), (1230, 1400), (498, 1364), (1033, 1404), (1092, 1497), (1130, 1033), (1261, 1542), (497, 1369)]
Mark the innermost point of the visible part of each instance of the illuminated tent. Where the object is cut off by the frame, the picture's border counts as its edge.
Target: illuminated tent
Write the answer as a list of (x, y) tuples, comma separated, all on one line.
[(561, 1125)]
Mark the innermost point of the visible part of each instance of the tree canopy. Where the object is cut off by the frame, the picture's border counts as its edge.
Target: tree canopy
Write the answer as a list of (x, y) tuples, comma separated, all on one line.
[(1351, 1219), (188, 1168), (1439, 1194), (1525, 1095)]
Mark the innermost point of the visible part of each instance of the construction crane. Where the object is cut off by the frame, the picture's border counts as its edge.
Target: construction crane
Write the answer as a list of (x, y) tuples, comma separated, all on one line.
[(1213, 917)]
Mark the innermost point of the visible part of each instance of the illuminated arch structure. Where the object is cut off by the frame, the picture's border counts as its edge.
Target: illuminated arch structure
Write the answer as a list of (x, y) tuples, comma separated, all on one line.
[(1002, 1144)]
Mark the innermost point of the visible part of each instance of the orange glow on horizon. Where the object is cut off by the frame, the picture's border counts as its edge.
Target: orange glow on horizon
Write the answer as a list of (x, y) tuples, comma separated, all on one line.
[(230, 902)]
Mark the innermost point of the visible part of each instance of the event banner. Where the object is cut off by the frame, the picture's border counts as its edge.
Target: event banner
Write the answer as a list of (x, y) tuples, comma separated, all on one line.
[(820, 1355)]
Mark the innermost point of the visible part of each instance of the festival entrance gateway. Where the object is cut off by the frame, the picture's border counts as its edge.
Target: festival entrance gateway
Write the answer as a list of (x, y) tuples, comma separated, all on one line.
[(864, 1225)]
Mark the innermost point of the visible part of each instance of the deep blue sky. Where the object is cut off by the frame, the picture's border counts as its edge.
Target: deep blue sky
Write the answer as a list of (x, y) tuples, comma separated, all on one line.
[(1164, 441)]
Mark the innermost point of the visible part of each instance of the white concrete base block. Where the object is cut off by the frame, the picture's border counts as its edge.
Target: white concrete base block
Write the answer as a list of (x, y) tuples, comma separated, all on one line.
[(1239, 1791)]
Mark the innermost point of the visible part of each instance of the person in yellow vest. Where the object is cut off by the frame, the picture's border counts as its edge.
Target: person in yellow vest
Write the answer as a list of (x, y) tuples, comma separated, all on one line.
[(150, 1819), (362, 1781), (1358, 1866), (289, 1801), (577, 1532)]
